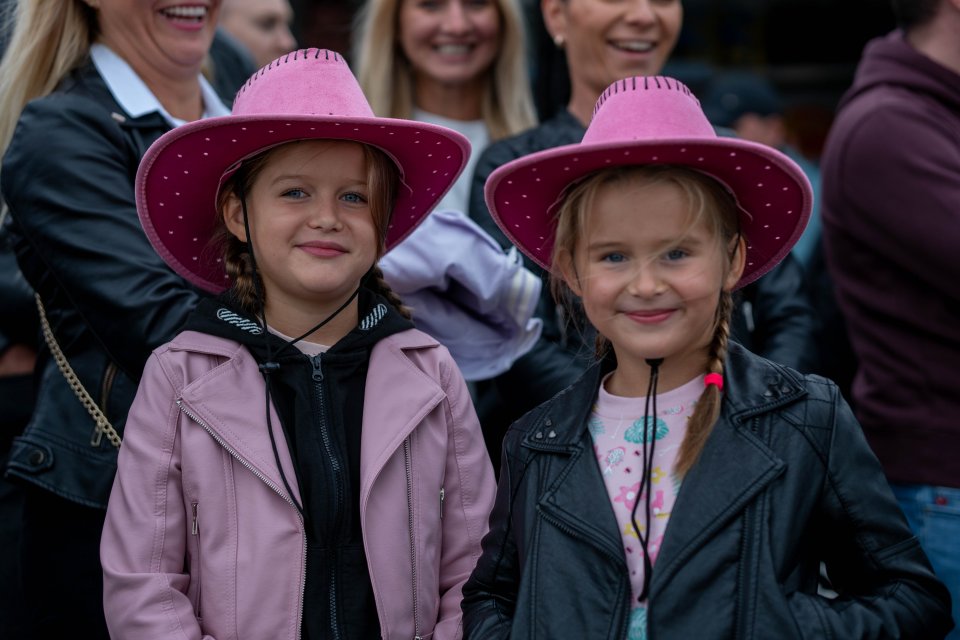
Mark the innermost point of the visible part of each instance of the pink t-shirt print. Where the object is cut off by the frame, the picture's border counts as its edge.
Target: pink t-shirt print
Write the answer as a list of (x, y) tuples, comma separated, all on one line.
[(616, 425)]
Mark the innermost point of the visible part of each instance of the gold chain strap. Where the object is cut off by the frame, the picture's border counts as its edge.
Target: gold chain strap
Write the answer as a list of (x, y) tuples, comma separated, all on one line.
[(103, 425)]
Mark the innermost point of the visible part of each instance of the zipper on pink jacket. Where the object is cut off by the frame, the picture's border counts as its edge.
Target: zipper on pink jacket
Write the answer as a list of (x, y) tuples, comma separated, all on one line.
[(276, 489), (408, 465)]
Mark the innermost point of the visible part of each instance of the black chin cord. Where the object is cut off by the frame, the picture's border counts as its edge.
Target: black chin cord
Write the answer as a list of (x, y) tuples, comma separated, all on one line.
[(271, 365), (646, 479)]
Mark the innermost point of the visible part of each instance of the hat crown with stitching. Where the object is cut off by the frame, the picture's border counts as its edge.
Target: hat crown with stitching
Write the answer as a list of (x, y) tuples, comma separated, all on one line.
[(659, 107), (309, 94), (299, 83)]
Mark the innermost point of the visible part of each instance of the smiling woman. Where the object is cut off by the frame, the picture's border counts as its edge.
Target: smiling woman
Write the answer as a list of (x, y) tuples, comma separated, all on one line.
[(458, 63), (85, 87)]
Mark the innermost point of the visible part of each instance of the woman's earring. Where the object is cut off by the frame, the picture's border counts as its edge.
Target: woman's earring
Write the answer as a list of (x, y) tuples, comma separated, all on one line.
[(559, 41)]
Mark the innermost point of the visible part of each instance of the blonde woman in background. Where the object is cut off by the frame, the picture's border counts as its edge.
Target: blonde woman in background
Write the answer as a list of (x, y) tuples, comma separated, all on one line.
[(85, 88), (457, 63), (460, 64)]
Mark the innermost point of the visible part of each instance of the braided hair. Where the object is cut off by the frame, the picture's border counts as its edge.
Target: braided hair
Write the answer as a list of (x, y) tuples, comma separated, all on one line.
[(709, 201)]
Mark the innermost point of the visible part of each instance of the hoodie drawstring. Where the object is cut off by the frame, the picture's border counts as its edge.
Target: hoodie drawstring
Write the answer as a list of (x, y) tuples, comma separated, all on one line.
[(646, 480), (271, 365)]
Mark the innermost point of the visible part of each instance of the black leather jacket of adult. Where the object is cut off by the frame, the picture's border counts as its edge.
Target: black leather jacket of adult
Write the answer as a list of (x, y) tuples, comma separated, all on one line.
[(785, 481), (68, 179)]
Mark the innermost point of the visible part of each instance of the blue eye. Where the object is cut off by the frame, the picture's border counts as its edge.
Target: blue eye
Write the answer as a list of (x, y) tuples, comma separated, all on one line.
[(615, 258), (353, 198), (676, 254), (295, 194)]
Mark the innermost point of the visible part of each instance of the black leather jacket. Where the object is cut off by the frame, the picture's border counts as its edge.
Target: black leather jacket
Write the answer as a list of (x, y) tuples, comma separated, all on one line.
[(68, 178), (785, 481)]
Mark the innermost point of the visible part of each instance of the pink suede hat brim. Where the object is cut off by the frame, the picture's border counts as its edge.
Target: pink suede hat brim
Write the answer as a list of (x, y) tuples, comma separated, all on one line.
[(308, 95), (655, 121)]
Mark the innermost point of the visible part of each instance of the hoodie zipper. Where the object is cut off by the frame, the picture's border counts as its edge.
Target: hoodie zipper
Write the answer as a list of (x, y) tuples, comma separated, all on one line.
[(276, 489), (337, 469), (407, 466)]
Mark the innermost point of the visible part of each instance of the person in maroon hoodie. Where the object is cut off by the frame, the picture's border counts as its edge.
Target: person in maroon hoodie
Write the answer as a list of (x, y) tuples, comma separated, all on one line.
[(891, 213)]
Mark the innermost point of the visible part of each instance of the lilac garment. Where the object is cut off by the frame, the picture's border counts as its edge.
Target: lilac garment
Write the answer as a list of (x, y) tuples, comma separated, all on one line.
[(466, 292)]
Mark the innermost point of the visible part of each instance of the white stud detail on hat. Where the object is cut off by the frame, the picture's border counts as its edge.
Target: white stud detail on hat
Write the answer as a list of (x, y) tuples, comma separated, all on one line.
[(662, 119), (287, 100)]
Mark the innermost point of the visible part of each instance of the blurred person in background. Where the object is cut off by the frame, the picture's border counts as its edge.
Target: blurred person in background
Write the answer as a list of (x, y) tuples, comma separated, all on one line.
[(457, 63), (260, 26), (19, 330), (85, 88), (891, 227), (604, 42), (460, 64), (750, 105)]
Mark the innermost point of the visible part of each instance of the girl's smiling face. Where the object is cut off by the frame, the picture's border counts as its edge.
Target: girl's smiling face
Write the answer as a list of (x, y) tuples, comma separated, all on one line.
[(650, 273), (311, 224)]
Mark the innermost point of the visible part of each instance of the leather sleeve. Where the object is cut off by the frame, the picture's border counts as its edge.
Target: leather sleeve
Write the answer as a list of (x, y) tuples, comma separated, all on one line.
[(783, 323), (887, 587), (68, 179), (490, 595), (492, 157), (18, 322)]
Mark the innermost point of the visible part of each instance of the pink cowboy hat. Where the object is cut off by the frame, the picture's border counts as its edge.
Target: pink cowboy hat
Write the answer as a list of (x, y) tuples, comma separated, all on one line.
[(307, 94), (655, 120)]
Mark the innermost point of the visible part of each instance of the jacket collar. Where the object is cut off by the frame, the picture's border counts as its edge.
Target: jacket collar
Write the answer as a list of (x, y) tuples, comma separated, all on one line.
[(135, 97), (713, 492), (717, 489), (222, 402), (389, 418)]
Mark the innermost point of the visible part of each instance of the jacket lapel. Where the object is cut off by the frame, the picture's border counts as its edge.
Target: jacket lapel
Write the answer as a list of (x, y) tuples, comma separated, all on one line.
[(578, 504), (735, 465), (223, 403), (577, 501), (389, 417)]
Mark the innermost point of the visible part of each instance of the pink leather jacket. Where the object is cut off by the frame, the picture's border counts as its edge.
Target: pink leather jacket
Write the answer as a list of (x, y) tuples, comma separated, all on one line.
[(202, 541)]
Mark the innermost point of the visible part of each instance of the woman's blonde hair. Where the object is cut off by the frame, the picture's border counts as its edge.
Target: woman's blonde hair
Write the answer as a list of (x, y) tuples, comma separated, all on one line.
[(386, 77), (50, 38), (383, 180), (709, 202)]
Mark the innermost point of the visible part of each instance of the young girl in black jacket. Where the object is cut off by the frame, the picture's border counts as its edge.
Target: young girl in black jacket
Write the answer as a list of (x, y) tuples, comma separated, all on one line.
[(684, 487)]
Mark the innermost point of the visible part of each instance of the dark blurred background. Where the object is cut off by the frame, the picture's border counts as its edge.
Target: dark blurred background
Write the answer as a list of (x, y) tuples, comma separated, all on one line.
[(807, 48)]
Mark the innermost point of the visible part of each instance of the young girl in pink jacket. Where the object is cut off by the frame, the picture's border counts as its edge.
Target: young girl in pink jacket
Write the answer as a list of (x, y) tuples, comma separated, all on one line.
[(300, 462)]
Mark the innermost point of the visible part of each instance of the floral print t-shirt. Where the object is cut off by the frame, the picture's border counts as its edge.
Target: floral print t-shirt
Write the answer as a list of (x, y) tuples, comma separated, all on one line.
[(616, 425)]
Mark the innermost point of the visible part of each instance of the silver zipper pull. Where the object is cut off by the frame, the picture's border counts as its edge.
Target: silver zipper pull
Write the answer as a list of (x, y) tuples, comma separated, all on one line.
[(194, 528), (442, 494)]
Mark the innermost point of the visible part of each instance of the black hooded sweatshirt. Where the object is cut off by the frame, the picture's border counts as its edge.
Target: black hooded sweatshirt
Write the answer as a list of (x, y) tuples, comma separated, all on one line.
[(320, 403)]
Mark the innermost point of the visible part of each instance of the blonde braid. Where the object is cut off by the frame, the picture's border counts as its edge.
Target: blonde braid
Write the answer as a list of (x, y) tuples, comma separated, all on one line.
[(381, 286), (707, 410)]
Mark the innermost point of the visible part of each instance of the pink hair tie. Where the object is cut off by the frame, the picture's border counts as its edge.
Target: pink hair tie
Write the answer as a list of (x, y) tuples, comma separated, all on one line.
[(713, 378)]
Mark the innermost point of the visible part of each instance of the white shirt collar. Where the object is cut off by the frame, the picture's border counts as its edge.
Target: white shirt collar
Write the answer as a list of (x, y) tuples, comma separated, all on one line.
[(133, 94)]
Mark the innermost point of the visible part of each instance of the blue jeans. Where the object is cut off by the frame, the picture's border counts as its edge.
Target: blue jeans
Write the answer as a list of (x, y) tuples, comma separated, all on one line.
[(934, 515)]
